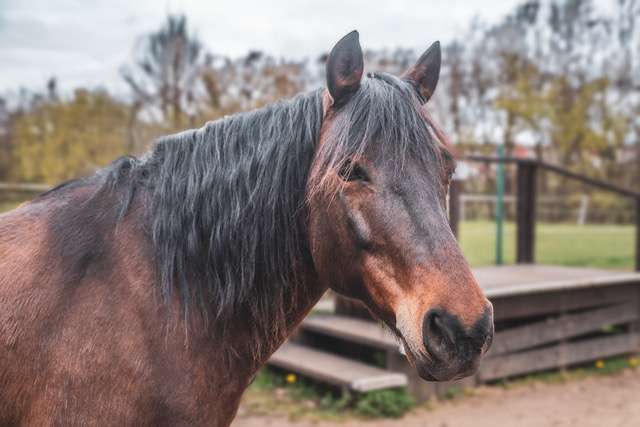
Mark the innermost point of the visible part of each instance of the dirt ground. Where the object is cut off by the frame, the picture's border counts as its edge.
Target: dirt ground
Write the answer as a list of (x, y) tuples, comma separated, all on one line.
[(603, 401)]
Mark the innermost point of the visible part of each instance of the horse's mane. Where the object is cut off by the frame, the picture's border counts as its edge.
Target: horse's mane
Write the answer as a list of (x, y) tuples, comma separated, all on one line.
[(225, 204), (227, 219)]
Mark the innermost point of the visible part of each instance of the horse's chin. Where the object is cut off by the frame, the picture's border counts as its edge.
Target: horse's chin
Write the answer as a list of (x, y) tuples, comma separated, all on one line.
[(439, 372)]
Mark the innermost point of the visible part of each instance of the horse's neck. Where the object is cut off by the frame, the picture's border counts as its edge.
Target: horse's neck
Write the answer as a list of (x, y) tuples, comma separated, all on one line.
[(247, 351), (299, 309)]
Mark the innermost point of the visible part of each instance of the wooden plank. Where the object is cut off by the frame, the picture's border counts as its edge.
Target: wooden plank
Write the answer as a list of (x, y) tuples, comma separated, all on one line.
[(512, 280), (635, 326), (566, 326), (590, 181), (495, 277), (557, 356), (526, 213), (334, 369), (563, 301), (557, 169), (564, 285), (353, 330), (325, 305)]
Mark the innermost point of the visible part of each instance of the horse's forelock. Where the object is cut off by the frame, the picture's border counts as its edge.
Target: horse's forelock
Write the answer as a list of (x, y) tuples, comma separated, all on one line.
[(386, 112)]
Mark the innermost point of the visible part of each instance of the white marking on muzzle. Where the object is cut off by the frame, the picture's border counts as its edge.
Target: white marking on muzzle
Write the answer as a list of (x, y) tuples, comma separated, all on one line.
[(401, 349), (407, 321)]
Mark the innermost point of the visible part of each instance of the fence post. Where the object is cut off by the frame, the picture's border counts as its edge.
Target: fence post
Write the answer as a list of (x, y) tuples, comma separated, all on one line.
[(526, 212), (455, 189), (637, 233)]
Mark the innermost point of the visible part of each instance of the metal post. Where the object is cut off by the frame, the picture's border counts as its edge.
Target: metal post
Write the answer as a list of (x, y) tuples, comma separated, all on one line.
[(500, 206), (526, 212)]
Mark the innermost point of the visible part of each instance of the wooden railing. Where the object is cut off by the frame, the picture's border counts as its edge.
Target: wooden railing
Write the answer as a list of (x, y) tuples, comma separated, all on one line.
[(527, 172)]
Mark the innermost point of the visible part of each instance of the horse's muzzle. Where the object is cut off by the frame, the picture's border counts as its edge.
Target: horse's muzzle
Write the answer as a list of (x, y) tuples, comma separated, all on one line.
[(453, 351)]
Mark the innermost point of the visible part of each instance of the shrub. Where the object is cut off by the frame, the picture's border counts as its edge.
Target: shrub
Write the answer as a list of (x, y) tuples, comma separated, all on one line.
[(392, 403)]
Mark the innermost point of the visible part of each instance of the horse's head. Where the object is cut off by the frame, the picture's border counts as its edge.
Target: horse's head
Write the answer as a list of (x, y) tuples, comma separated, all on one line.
[(378, 225)]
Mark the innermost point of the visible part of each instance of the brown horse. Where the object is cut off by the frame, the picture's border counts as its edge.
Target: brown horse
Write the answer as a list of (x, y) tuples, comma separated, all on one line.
[(152, 292)]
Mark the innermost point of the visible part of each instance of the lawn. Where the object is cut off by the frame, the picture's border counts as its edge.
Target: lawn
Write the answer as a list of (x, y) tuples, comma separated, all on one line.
[(601, 246)]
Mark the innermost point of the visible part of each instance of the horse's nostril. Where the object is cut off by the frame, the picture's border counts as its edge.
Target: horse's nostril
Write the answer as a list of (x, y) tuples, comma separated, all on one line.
[(453, 350), (446, 339), (439, 333)]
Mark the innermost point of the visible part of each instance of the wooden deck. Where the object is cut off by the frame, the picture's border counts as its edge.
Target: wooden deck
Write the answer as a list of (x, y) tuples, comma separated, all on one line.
[(547, 317), (550, 317), (511, 280)]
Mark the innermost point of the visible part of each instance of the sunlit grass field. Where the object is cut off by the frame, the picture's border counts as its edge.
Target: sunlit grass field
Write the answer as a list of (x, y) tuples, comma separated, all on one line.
[(593, 245)]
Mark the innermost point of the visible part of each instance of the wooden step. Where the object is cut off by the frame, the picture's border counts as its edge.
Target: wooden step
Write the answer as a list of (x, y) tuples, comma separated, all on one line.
[(561, 355), (351, 329), (335, 370)]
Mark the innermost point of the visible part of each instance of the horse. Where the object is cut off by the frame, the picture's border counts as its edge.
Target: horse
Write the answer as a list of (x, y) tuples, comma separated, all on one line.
[(152, 292)]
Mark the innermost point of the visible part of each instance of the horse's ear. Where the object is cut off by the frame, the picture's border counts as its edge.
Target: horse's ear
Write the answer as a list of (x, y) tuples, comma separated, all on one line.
[(344, 68), (424, 75)]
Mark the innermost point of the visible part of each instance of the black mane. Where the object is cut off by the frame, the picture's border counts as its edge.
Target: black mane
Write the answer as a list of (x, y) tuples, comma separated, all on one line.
[(227, 218)]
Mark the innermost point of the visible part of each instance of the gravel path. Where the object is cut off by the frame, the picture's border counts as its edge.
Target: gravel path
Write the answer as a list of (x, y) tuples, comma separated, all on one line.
[(607, 401)]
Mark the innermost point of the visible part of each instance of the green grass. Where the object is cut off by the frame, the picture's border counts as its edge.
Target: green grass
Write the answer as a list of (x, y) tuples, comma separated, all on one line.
[(7, 206), (278, 392), (600, 246)]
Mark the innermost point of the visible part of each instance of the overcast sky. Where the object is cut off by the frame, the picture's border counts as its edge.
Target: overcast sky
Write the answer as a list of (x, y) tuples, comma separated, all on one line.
[(85, 42)]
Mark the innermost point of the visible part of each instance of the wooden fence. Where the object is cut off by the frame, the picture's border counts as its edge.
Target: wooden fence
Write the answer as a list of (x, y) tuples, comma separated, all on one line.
[(526, 196)]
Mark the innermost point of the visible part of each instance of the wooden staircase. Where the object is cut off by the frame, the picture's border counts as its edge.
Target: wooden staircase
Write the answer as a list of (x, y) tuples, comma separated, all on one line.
[(335, 369)]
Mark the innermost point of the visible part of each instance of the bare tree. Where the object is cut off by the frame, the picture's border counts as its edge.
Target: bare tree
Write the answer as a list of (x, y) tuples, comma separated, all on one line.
[(167, 71)]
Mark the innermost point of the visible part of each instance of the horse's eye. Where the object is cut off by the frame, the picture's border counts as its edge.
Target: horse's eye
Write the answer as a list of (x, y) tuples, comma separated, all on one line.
[(350, 171)]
